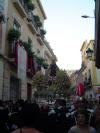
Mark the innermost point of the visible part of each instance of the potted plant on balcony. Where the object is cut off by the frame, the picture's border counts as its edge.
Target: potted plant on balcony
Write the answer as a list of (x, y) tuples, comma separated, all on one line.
[(26, 1), (39, 24), (13, 35), (40, 60), (43, 32), (30, 6), (31, 53), (27, 46), (45, 65), (37, 20)]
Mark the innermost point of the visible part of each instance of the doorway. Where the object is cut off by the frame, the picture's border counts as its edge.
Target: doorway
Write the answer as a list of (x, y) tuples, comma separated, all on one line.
[(14, 89), (29, 92)]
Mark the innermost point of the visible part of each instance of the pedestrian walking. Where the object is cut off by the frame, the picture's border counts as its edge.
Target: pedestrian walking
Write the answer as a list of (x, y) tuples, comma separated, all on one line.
[(82, 124), (97, 119), (29, 119)]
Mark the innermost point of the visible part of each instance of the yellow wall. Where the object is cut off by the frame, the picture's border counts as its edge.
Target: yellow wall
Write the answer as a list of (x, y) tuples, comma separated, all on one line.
[(90, 64)]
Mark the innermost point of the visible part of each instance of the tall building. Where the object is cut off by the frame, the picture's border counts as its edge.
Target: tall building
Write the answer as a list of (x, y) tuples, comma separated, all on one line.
[(91, 75), (22, 42)]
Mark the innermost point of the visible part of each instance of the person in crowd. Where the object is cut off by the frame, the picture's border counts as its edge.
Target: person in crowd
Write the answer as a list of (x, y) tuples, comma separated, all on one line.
[(70, 115), (57, 117), (97, 119), (29, 119), (44, 120), (81, 103), (3, 118), (82, 125)]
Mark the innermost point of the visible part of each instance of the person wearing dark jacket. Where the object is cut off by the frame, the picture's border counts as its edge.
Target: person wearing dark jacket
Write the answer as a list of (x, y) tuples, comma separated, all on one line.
[(29, 119)]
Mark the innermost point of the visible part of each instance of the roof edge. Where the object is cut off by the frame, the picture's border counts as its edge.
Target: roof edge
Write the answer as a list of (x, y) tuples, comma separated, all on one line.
[(42, 10)]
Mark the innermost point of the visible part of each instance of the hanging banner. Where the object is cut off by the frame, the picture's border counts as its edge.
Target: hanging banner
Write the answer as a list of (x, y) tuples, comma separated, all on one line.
[(22, 57), (80, 90)]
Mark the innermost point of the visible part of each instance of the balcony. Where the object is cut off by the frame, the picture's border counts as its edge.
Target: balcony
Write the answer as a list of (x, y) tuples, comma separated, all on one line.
[(30, 68), (31, 23), (20, 6), (13, 53), (28, 15), (11, 60), (40, 37), (88, 84)]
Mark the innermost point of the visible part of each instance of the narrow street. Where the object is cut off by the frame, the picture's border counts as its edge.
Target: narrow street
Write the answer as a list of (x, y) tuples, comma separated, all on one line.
[(49, 66)]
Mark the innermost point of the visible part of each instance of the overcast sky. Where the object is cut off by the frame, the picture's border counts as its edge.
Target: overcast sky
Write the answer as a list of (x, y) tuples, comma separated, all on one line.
[(67, 30)]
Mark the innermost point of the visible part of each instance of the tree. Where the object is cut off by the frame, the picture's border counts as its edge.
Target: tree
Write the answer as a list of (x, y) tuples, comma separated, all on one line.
[(39, 81), (51, 89), (62, 82)]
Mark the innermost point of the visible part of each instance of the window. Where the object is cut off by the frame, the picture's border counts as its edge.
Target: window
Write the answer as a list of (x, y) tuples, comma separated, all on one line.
[(16, 25), (14, 88), (38, 52), (29, 41)]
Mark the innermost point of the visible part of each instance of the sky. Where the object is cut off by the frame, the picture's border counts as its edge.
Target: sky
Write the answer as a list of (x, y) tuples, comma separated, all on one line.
[(66, 30)]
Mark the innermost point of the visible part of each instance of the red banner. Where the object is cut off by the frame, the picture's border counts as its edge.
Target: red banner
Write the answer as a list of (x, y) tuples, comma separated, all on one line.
[(80, 90)]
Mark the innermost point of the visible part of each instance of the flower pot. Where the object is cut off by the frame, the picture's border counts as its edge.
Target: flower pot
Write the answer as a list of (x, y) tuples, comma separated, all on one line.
[(13, 35)]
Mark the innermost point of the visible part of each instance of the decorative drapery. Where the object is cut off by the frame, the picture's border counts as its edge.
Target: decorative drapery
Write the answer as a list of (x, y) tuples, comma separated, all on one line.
[(80, 90), (22, 61), (25, 62), (32, 66), (35, 65), (16, 53)]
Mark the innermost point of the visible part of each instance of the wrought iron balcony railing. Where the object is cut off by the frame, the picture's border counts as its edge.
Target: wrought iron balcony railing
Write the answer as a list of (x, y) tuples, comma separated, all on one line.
[(21, 6)]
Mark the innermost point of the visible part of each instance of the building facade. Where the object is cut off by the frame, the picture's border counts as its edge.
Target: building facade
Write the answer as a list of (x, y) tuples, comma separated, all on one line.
[(17, 64), (70, 72), (91, 75), (97, 33)]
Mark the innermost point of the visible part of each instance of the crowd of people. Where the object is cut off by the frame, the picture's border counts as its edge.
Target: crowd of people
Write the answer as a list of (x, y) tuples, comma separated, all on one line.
[(28, 117)]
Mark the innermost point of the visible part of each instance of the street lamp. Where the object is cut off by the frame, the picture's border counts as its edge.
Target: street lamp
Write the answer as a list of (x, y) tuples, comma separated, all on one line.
[(86, 16), (89, 53)]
